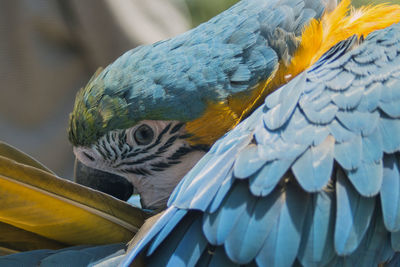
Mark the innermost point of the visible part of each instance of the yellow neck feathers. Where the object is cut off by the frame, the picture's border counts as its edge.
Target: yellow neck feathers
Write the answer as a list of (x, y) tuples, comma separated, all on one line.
[(317, 38), (343, 22)]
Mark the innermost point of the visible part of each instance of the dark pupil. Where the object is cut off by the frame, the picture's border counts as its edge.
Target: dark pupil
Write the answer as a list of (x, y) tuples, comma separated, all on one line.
[(144, 135)]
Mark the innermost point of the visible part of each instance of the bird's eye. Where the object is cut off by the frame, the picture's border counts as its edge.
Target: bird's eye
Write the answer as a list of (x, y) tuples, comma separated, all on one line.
[(143, 135)]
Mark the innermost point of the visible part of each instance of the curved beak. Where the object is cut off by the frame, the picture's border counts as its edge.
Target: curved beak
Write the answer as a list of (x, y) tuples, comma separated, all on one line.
[(109, 183)]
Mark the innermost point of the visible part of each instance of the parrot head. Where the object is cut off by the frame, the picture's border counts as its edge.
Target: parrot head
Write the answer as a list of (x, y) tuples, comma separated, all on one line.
[(127, 135), (151, 157)]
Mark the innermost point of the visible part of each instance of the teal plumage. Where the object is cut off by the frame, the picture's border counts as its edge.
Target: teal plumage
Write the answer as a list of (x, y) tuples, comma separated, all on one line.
[(177, 78), (310, 178), (318, 159)]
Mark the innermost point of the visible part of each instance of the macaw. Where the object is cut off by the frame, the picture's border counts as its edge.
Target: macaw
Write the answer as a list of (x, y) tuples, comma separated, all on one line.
[(309, 174), (269, 135), (311, 177)]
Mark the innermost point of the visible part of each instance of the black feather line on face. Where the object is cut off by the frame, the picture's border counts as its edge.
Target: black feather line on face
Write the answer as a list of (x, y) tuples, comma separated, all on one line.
[(115, 153), (127, 152), (174, 158), (180, 152), (160, 165), (167, 144), (121, 140), (107, 152), (139, 151), (98, 148), (185, 136), (157, 169), (174, 162), (124, 152), (133, 154), (136, 162), (88, 156), (176, 128), (139, 171)]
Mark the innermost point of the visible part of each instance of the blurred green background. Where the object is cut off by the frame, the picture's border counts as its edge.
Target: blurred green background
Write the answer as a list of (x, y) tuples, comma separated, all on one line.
[(203, 10), (50, 48)]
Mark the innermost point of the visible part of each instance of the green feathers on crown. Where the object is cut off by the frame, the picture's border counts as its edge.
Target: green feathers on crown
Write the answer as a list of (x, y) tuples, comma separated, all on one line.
[(95, 113)]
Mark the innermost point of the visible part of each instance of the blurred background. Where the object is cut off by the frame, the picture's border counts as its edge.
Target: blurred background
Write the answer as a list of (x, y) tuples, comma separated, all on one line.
[(50, 48)]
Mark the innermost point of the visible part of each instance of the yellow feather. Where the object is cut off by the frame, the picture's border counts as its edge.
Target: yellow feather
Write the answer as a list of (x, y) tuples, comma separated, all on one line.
[(13, 239), (317, 38), (13, 153), (50, 212)]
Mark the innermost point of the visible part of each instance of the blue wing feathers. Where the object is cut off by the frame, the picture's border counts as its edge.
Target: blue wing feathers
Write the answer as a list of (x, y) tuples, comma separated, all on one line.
[(353, 215), (167, 228), (317, 73), (280, 113), (367, 178), (282, 243), (156, 228), (163, 253), (364, 123), (348, 153), (82, 257), (389, 92), (395, 241), (389, 129), (370, 100), (372, 147), (375, 247), (360, 69), (30, 258), (394, 261), (216, 168), (222, 191), (248, 162), (247, 234), (181, 187), (193, 242), (323, 116), (392, 109), (340, 133), (390, 193), (218, 225), (311, 177), (71, 256), (263, 182), (313, 168), (341, 82), (316, 247), (368, 56), (350, 99), (220, 258)]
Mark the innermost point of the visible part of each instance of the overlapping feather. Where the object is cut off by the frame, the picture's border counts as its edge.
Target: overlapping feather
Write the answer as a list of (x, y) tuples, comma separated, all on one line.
[(322, 157), (40, 210)]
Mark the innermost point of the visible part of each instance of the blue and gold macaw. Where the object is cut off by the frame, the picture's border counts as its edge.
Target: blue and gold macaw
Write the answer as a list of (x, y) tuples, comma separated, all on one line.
[(308, 174)]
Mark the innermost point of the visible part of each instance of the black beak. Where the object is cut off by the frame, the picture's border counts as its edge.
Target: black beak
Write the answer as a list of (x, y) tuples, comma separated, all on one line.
[(109, 183)]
